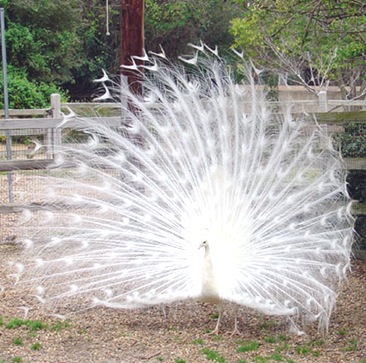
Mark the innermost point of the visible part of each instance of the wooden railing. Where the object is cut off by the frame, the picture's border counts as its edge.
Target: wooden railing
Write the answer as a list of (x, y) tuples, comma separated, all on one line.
[(49, 122)]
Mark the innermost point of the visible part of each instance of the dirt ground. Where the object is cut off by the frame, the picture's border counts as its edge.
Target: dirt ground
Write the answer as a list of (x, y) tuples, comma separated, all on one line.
[(175, 334)]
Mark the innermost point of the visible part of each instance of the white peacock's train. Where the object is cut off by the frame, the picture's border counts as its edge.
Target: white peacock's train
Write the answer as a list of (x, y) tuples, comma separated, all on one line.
[(206, 194)]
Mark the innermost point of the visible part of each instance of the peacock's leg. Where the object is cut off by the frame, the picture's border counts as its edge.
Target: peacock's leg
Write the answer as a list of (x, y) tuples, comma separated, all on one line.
[(216, 330), (236, 330)]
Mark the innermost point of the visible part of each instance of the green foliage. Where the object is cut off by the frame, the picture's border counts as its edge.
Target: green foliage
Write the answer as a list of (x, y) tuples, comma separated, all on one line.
[(342, 332), (260, 359), (27, 94), (42, 38), (351, 345), (174, 24), (32, 325), (198, 341), (306, 349), (248, 346), (270, 339), (17, 341), (14, 323), (57, 43), (311, 41), (353, 140), (36, 346), (276, 357), (353, 145), (63, 43), (317, 343), (61, 325), (281, 348), (213, 355)]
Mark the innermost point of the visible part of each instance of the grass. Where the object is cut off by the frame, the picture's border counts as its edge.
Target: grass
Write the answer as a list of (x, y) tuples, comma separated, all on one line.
[(198, 341), (282, 347), (248, 346), (270, 339), (308, 348), (342, 332), (32, 325), (36, 346), (276, 357), (276, 339), (317, 343), (351, 346), (213, 355), (268, 324), (17, 341), (260, 359), (280, 344), (14, 323), (35, 325), (61, 325), (303, 349)]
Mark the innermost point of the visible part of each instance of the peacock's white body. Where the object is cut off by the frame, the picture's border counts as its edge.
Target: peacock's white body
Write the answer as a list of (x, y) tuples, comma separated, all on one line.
[(202, 161)]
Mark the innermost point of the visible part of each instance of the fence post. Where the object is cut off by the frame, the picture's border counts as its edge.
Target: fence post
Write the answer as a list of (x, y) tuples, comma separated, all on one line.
[(55, 133), (323, 101)]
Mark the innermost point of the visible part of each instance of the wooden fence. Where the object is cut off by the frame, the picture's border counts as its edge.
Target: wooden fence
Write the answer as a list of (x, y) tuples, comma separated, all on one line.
[(49, 123)]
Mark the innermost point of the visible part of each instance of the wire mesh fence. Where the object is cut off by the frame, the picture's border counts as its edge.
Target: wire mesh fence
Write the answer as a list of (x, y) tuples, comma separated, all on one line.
[(33, 148)]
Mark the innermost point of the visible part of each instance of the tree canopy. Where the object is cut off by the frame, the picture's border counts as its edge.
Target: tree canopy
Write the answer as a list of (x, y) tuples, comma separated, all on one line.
[(174, 24), (312, 42), (63, 44), (60, 43)]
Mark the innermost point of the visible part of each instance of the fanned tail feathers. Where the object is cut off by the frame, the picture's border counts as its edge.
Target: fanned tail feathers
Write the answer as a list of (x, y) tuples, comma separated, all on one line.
[(201, 159)]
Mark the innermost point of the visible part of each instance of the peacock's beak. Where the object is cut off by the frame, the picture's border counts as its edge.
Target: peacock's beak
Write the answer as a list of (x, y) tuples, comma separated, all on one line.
[(203, 244)]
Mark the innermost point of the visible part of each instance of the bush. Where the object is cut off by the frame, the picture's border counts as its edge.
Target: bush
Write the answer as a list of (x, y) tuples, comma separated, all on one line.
[(353, 145), (24, 93)]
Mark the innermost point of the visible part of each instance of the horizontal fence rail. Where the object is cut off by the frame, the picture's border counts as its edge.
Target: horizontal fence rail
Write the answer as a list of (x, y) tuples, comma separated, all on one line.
[(50, 123)]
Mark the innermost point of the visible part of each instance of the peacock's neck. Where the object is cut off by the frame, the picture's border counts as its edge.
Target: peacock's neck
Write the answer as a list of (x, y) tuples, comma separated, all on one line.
[(209, 291)]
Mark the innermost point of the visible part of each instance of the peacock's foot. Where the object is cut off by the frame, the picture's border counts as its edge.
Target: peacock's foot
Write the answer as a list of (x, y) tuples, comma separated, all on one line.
[(214, 332), (236, 331)]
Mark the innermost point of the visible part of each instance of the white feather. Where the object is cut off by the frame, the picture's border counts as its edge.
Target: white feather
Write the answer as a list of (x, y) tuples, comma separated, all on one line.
[(210, 163)]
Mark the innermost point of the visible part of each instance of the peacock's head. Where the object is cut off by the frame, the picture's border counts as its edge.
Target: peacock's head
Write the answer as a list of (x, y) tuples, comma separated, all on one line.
[(203, 244)]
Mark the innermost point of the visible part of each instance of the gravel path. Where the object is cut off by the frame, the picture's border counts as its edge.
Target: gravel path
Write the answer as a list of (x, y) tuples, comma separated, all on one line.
[(176, 334)]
